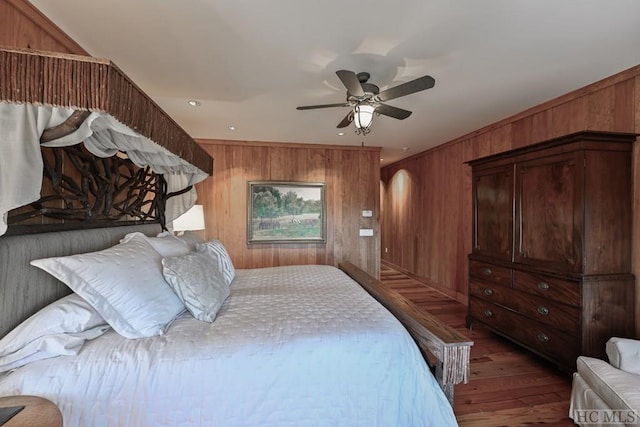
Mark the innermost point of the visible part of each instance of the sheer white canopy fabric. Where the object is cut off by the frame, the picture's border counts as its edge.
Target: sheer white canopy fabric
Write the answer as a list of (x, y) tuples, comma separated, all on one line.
[(21, 126)]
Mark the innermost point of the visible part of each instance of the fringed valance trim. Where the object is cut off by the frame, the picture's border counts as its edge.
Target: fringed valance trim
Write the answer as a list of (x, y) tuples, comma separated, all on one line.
[(97, 85)]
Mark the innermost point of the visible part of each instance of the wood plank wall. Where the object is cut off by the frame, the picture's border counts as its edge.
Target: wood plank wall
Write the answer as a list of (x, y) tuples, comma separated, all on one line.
[(351, 174), (426, 207), (22, 25)]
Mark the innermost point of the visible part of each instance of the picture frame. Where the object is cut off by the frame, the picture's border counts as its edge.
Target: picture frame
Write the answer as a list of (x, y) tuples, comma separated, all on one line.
[(286, 212)]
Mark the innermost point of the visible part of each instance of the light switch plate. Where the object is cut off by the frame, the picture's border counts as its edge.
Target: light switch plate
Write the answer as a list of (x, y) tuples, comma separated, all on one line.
[(366, 232)]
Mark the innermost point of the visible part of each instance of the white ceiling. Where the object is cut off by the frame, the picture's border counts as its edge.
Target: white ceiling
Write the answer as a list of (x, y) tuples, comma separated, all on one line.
[(251, 62)]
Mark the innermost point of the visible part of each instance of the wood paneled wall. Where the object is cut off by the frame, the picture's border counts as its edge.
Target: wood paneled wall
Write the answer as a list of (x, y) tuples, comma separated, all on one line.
[(22, 25), (426, 221), (351, 174)]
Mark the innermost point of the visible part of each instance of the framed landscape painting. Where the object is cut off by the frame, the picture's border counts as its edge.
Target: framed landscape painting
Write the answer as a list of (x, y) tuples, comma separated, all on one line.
[(286, 212)]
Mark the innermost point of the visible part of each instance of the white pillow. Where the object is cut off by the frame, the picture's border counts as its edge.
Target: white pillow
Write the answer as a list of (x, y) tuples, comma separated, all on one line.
[(123, 283), (216, 250), (61, 328), (189, 239), (165, 244), (198, 283), (624, 354)]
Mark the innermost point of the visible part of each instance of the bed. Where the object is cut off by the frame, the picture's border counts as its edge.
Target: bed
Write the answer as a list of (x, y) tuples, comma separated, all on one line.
[(297, 345), (131, 326)]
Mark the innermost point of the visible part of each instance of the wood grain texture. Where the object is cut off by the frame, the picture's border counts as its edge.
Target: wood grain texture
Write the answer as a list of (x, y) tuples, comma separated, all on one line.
[(37, 412), (352, 177), (508, 386), (22, 25), (424, 222), (571, 215), (429, 242)]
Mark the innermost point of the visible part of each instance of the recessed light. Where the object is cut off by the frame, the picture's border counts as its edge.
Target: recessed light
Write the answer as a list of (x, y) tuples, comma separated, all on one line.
[(342, 133), (381, 159), (194, 103), (405, 148), (232, 127)]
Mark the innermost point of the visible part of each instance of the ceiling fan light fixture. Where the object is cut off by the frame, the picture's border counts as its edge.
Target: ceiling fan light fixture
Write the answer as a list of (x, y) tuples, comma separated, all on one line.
[(362, 117), (364, 99)]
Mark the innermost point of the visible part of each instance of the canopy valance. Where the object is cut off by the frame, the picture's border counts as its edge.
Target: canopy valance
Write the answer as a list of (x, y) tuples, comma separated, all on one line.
[(54, 99)]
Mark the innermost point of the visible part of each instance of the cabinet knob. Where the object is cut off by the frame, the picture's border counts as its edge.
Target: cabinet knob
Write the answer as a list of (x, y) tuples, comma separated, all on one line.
[(487, 271), (543, 310), (542, 337), (543, 286), (488, 313), (488, 292)]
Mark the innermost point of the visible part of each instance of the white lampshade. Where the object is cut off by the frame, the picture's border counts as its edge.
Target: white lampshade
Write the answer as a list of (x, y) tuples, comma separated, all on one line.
[(363, 115), (193, 219)]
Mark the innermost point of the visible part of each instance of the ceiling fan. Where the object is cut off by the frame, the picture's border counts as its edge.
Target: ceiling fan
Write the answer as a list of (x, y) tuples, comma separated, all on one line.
[(365, 99)]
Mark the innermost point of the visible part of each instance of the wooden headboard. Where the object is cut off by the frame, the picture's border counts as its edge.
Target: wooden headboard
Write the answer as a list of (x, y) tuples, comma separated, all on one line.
[(25, 289)]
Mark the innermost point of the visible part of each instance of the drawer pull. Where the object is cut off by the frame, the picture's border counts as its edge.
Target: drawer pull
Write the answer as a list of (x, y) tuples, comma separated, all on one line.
[(488, 313), (543, 286), (543, 310), (488, 292), (542, 337), (487, 271)]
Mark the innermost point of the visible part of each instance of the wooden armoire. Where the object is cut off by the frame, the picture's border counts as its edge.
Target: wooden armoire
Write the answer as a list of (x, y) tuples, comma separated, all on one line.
[(551, 261)]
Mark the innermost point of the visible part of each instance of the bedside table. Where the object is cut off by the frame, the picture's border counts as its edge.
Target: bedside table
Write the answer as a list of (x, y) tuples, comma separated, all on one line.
[(37, 411)]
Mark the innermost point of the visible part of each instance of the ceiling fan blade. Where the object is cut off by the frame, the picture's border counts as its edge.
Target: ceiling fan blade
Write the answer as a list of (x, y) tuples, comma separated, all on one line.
[(311, 107), (413, 86), (350, 80), (395, 112), (346, 121)]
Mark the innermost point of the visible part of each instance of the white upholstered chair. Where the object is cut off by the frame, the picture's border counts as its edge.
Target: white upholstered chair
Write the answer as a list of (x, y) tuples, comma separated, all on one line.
[(608, 393)]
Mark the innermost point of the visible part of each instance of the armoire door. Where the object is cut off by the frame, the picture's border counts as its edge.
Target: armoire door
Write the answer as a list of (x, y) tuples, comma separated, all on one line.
[(493, 212), (549, 203)]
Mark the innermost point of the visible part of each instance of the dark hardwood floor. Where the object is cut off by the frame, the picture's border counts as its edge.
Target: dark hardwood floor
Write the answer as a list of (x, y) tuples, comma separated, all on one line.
[(508, 385)]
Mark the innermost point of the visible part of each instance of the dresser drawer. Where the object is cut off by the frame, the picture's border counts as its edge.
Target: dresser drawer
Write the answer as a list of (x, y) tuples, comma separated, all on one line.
[(491, 292), (489, 313), (491, 273), (547, 341), (553, 288), (560, 316)]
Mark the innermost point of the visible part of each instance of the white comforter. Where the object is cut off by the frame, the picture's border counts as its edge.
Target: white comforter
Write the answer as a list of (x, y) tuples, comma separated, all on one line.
[(292, 346)]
